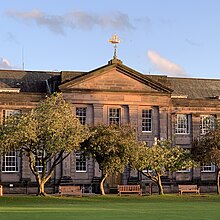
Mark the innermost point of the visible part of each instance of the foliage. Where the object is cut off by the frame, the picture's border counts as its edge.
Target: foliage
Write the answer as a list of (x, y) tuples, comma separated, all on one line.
[(44, 135), (155, 161), (206, 150), (113, 147)]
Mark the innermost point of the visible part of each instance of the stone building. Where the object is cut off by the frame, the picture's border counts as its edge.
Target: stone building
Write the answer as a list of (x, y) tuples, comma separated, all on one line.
[(179, 109)]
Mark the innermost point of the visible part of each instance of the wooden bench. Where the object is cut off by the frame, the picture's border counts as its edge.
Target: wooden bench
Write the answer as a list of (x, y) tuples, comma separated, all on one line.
[(188, 188), (70, 190), (129, 189), (1, 190)]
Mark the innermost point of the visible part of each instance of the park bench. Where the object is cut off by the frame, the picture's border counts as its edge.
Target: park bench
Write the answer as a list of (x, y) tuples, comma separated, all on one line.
[(70, 190), (1, 190), (129, 189), (188, 188)]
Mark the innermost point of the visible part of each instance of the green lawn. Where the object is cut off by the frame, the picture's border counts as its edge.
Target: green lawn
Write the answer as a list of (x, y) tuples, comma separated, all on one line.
[(111, 207)]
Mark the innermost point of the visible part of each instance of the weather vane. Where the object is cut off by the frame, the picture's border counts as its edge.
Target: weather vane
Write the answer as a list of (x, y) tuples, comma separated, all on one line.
[(114, 40)]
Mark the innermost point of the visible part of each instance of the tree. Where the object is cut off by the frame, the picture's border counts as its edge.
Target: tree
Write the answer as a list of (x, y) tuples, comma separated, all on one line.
[(47, 134), (153, 162), (206, 150), (112, 147)]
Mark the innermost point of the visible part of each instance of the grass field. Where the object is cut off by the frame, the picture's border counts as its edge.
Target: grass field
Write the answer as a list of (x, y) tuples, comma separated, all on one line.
[(110, 207)]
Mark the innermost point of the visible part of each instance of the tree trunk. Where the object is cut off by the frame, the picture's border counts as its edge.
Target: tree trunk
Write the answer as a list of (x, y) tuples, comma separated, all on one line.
[(41, 191), (102, 190), (45, 176), (156, 179), (40, 186), (159, 184)]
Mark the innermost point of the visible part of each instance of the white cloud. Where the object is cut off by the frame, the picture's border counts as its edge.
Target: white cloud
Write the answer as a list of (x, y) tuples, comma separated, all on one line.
[(86, 21), (54, 23), (164, 65), (4, 63), (75, 19)]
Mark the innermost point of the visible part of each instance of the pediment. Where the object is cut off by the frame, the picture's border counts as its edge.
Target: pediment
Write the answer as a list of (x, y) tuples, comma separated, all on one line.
[(114, 78)]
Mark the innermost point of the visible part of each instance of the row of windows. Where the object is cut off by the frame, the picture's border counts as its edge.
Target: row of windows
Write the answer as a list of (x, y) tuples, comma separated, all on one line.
[(114, 117), (183, 121), (10, 163), (210, 168)]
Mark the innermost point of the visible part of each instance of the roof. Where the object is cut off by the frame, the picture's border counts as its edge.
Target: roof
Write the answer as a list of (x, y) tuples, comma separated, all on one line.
[(36, 81), (69, 75), (27, 81), (194, 88)]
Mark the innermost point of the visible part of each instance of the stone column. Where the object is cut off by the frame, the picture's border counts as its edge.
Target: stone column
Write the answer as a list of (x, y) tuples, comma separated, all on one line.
[(155, 122), (66, 166), (98, 113), (163, 121), (133, 116), (195, 128)]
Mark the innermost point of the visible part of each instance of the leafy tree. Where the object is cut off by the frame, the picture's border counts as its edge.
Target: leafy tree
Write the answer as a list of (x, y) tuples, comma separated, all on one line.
[(112, 147), (206, 150), (47, 134), (155, 161)]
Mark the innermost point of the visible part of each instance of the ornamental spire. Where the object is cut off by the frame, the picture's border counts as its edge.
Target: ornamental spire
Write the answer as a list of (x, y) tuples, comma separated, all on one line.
[(114, 40)]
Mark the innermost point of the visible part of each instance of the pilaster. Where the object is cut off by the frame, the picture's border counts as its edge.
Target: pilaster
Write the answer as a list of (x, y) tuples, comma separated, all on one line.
[(98, 113)]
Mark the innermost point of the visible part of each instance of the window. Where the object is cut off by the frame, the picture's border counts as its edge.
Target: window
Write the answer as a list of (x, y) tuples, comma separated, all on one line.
[(39, 166), (10, 162), (9, 112), (114, 116), (81, 165), (38, 162), (81, 114), (146, 120), (186, 170), (208, 168), (182, 124), (207, 123)]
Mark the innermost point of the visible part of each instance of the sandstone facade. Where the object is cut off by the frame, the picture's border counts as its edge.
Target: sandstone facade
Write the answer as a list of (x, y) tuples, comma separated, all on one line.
[(179, 109)]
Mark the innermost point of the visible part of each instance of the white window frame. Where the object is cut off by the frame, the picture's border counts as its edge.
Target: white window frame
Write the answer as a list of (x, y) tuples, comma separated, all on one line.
[(188, 170), (81, 163), (182, 124), (10, 162), (146, 120), (207, 123), (9, 112), (38, 164), (114, 116), (208, 168), (81, 113), (12, 156)]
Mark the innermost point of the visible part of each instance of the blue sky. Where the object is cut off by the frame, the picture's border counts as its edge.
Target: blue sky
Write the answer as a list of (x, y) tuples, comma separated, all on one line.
[(169, 37)]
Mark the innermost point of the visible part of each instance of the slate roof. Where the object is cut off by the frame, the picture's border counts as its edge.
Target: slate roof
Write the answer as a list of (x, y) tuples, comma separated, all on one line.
[(35, 81), (66, 76), (27, 81), (194, 88)]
